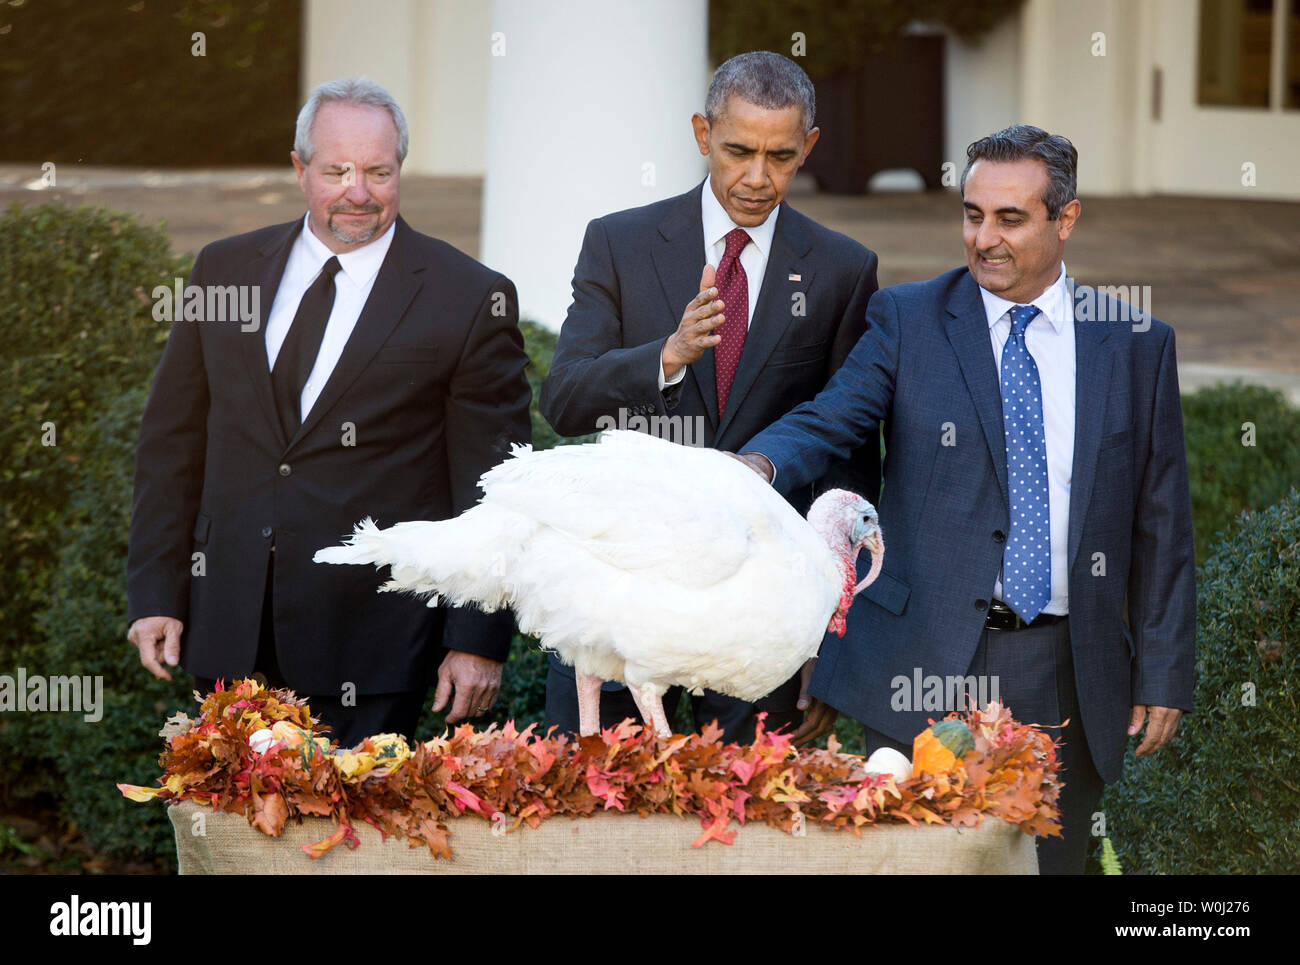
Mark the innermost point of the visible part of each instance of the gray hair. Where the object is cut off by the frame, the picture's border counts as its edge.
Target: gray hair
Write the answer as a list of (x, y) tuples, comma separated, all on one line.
[(360, 91), (764, 79), (1022, 141)]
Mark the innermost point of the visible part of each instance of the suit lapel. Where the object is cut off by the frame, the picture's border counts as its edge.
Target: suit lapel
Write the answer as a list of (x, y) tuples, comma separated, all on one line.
[(265, 271), (1092, 366), (678, 255), (395, 285), (773, 314), (968, 332)]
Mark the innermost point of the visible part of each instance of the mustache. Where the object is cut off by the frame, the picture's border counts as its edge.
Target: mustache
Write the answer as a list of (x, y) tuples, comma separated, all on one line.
[(348, 209)]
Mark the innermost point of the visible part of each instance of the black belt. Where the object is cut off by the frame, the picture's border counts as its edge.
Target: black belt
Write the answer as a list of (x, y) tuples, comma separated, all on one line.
[(1002, 617)]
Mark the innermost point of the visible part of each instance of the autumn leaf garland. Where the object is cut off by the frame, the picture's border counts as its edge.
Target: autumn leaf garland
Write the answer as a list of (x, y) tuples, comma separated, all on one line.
[(522, 777)]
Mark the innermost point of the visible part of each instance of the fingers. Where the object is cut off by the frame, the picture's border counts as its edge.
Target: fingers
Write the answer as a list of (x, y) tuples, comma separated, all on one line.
[(1135, 719), (817, 723), (708, 277), (702, 316), (443, 691), (465, 703), (148, 634), (470, 682), (760, 464), (1161, 727), (172, 643)]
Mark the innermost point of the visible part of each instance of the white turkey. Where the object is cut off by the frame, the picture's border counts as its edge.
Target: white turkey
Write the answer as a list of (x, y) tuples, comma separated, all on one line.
[(641, 561)]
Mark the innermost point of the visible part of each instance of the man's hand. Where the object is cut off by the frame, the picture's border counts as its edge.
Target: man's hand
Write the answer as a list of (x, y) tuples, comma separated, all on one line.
[(475, 680), (1161, 726), (695, 331), (818, 718), (157, 639), (757, 462)]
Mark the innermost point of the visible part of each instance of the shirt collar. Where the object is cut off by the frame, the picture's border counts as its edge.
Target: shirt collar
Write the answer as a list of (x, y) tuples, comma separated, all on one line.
[(717, 223), (1053, 303), (360, 265)]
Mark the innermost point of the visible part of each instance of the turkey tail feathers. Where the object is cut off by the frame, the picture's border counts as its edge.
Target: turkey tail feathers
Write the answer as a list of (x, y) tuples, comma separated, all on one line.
[(459, 561), (366, 545)]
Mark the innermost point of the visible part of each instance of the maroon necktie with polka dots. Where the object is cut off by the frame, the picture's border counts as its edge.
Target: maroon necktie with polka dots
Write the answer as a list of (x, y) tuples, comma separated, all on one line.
[(733, 289)]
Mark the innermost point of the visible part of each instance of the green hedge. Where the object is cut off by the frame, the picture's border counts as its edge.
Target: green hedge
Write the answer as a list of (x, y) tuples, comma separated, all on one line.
[(74, 292), (1226, 475), (1224, 796), (119, 83)]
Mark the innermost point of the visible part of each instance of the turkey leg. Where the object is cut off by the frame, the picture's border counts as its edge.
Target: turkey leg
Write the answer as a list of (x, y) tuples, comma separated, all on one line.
[(651, 706), (588, 703)]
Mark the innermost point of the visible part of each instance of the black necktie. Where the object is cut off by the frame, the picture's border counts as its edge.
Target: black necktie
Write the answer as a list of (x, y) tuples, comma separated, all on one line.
[(298, 353)]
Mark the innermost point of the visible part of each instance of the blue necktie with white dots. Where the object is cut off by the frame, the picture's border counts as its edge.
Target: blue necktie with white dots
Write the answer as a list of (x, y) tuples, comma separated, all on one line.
[(1027, 560)]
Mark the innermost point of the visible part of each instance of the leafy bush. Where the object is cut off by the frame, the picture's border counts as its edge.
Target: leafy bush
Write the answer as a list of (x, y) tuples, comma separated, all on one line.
[(74, 294), (81, 628), (112, 83), (1227, 476), (1224, 796), (75, 288)]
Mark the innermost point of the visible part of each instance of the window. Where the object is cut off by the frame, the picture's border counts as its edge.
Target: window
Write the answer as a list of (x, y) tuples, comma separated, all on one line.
[(1236, 50)]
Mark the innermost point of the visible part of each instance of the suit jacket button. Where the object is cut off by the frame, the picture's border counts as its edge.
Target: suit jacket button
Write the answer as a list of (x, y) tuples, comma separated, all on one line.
[(981, 605), (999, 536), (266, 532), (284, 469)]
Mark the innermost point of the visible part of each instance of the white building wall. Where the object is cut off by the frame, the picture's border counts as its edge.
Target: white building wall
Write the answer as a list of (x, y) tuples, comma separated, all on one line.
[(589, 113), (1044, 66), (433, 56), (1200, 150), (981, 88)]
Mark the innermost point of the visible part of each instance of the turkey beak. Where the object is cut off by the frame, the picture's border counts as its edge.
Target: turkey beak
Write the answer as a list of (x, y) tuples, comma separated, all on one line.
[(867, 535)]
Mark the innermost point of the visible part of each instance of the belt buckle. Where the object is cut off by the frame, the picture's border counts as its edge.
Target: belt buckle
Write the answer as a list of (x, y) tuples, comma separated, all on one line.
[(1004, 615)]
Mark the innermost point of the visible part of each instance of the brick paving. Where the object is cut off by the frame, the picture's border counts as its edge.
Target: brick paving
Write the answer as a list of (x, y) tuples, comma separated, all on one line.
[(1224, 273)]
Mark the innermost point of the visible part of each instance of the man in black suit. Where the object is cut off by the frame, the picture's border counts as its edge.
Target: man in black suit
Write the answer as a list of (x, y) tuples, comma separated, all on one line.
[(773, 303), (387, 376)]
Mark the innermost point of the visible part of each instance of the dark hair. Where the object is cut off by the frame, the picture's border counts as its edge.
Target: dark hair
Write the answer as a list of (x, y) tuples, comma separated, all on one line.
[(764, 79), (1023, 141)]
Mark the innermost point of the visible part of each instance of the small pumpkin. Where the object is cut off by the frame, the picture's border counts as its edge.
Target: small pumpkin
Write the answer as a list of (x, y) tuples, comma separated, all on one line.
[(291, 734), (938, 748)]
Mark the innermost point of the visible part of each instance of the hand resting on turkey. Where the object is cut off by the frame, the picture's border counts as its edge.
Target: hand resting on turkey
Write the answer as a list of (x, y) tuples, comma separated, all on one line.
[(641, 561)]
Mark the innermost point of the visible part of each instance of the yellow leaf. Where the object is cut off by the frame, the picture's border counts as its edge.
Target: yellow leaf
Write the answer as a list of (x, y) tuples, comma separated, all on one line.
[(133, 792)]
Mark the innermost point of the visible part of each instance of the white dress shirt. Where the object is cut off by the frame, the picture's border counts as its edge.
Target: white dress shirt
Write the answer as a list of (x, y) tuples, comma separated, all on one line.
[(1050, 340), (753, 258), (352, 284)]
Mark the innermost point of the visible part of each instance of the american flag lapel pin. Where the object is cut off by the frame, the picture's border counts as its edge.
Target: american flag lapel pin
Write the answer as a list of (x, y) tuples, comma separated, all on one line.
[(795, 277)]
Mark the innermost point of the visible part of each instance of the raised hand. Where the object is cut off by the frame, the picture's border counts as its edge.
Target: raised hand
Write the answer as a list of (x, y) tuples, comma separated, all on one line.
[(695, 332)]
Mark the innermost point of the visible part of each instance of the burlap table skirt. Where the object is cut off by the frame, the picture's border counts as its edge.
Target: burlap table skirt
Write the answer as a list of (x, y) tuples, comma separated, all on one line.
[(607, 843)]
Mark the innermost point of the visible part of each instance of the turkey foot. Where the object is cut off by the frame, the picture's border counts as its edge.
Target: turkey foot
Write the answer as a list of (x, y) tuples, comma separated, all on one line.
[(651, 705), (588, 704)]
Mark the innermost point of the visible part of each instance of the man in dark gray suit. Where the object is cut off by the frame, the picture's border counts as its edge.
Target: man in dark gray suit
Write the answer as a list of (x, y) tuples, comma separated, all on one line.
[(706, 316), (1035, 494)]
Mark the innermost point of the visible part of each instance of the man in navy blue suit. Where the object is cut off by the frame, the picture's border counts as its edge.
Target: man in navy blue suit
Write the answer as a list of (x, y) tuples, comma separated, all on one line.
[(1035, 495)]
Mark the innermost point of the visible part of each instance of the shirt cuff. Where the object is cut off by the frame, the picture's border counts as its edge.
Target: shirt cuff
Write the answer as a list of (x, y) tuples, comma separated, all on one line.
[(665, 382)]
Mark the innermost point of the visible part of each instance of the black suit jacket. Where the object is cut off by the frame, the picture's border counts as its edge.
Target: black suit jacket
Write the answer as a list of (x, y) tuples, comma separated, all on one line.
[(637, 272), (428, 394)]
